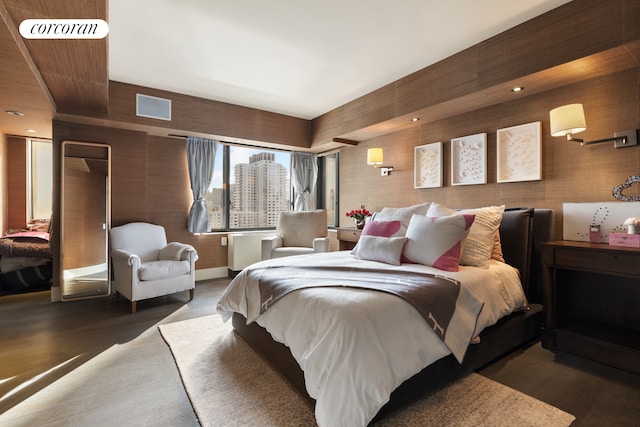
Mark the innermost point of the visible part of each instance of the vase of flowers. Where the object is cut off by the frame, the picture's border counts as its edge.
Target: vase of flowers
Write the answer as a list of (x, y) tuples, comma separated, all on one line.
[(359, 216)]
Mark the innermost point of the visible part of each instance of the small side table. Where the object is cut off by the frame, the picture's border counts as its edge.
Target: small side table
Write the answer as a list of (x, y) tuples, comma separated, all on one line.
[(348, 237)]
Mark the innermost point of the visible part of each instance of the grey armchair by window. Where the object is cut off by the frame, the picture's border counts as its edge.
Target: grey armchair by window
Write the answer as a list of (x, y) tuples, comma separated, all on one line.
[(145, 266), (297, 233)]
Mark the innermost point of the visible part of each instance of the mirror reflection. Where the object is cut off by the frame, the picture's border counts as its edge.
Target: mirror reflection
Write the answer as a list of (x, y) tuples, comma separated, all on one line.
[(85, 221)]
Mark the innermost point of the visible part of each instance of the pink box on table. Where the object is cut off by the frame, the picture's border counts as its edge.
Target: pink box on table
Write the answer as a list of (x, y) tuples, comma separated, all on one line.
[(624, 239)]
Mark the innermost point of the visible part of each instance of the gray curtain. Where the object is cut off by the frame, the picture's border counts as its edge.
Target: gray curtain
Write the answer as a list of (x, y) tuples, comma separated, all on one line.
[(304, 173), (201, 156)]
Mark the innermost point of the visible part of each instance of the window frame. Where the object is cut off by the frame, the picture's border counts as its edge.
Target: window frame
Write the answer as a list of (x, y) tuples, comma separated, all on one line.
[(225, 150)]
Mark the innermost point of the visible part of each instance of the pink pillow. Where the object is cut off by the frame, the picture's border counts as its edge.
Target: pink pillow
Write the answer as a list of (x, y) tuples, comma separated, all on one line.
[(383, 229), (437, 241)]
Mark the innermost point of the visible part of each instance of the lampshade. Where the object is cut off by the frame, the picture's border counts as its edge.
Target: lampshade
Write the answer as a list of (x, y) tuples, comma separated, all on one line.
[(567, 119), (375, 156)]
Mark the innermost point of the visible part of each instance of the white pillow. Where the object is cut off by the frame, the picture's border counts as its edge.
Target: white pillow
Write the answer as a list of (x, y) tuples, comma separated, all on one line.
[(437, 241), (381, 249), (402, 214), (480, 242)]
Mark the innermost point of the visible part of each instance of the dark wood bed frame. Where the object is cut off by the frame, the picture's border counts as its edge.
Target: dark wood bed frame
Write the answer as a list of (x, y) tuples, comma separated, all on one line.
[(522, 232)]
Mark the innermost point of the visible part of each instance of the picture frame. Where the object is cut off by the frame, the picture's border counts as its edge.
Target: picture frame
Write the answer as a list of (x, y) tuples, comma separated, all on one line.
[(519, 153), (469, 160), (427, 165)]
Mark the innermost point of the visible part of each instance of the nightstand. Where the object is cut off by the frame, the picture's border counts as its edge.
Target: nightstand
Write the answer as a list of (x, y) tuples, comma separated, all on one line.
[(591, 298), (348, 237)]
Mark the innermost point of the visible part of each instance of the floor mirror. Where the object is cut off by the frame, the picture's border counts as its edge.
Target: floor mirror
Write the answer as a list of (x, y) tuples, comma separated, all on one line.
[(85, 220)]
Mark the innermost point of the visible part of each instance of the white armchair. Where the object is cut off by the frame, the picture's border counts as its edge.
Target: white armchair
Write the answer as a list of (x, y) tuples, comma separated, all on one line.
[(145, 266), (298, 232)]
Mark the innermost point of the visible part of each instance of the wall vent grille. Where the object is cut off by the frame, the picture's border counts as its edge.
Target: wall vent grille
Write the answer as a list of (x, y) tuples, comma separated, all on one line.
[(153, 107)]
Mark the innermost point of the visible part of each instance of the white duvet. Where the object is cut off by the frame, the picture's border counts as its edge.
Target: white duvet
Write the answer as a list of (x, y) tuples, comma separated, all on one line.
[(356, 346)]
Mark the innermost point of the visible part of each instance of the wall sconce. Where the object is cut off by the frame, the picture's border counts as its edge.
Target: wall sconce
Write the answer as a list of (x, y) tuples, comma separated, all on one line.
[(375, 157), (569, 119)]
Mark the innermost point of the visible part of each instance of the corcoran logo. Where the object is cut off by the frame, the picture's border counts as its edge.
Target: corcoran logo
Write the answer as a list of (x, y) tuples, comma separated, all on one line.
[(64, 29)]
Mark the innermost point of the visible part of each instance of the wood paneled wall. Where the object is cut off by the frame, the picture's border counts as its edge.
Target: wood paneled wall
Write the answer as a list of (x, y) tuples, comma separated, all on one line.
[(544, 53), (150, 183), (16, 182), (571, 173), (195, 116), (463, 95), (4, 200)]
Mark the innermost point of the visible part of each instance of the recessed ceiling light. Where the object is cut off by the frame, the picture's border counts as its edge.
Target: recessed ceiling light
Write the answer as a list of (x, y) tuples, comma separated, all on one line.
[(14, 113), (30, 130), (517, 89), (415, 119)]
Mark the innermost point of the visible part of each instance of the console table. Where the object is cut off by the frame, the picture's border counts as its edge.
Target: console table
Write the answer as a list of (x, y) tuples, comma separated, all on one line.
[(591, 297), (348, 237)]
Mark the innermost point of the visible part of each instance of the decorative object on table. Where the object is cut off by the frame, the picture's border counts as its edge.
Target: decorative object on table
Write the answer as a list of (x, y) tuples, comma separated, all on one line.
[(594, 233), (469, 160), (617, 191), (519, 153), (624, 239), (633, 225), (359, 216), (610, 216), (428, 166)]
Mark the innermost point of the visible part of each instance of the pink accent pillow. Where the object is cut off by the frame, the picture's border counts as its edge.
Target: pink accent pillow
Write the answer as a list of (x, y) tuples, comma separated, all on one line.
[(383, 229), (437, 241)]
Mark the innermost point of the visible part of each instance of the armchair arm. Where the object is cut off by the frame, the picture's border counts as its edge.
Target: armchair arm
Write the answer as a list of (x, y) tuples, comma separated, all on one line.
[(125, 271), (268, 244), (321, 244), (190, 254), (121, 256)]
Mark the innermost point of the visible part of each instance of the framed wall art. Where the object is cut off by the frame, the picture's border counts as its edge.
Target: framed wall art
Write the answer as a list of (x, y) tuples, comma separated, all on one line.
[(469, 160), (519, 153), (427, 166)]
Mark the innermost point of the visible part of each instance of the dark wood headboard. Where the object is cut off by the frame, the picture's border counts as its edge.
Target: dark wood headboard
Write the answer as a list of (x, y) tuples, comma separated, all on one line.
[(522, 231)]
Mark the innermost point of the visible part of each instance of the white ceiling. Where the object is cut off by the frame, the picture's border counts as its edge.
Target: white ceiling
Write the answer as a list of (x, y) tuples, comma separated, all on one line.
[(297, 57)]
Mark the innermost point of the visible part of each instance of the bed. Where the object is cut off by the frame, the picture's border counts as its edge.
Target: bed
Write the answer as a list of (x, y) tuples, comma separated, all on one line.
[(328, 339), (25, 259)]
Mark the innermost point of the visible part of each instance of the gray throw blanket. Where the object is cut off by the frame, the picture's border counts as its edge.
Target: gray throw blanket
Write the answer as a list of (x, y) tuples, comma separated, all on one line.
[(449, 309)]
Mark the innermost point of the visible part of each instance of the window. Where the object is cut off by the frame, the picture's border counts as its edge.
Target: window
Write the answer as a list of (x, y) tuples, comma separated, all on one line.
[(250, 187), (39, 186)]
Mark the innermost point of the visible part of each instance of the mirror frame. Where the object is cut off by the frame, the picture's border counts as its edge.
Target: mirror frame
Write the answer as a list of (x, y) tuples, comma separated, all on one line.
[(65, 144)]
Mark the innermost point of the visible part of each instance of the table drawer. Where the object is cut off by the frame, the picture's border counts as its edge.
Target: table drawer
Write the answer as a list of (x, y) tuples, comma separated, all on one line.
[(349, 235), (619, 262)]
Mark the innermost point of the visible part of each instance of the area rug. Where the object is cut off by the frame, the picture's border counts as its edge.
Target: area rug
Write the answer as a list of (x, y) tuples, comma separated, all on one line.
[(229, 384)]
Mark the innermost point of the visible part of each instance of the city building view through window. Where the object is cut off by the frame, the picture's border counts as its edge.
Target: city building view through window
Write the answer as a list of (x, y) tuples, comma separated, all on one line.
[(259, 188)]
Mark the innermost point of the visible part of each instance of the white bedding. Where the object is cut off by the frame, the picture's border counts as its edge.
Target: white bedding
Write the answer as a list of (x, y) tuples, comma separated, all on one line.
[(356, 346)]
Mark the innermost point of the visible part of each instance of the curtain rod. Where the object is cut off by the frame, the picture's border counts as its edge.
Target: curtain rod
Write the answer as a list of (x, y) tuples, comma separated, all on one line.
[(237, 144)]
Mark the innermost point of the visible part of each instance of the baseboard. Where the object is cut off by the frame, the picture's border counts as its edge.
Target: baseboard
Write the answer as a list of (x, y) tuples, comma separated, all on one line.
[(211, 273), (55, 294)]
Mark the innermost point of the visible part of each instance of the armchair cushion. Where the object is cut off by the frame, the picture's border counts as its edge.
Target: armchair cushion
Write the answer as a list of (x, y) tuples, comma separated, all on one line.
[(155, 270), (290, 251)]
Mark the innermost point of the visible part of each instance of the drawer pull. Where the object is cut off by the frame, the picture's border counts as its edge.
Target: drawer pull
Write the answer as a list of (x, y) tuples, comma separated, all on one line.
[(614, 258)]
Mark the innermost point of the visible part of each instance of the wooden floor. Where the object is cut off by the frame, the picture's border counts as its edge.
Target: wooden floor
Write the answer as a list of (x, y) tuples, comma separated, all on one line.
[(91, 362)]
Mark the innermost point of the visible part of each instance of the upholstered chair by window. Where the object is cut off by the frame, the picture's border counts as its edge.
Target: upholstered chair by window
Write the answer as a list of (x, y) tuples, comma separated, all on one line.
[(297, 233), (146, 266)]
